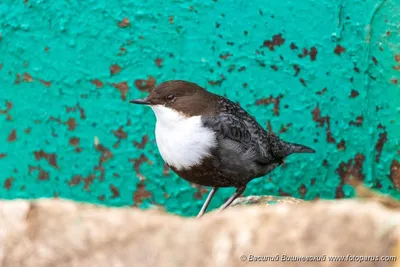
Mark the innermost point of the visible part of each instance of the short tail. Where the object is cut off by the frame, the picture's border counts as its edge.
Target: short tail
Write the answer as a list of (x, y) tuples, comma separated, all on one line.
[(296, 148)]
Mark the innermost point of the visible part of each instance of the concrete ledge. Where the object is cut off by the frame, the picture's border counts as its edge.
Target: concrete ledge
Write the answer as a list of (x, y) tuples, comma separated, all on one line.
[(64, 233)]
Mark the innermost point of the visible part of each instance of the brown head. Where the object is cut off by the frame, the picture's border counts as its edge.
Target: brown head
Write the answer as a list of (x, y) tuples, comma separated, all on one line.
[(185, 97)]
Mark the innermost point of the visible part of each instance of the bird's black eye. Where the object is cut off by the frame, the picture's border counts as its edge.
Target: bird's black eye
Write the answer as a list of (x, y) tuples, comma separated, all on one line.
[(170, 97)]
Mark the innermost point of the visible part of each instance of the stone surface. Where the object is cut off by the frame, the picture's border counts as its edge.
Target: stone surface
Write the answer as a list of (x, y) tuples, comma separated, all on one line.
[(323, 73), (60, 233)]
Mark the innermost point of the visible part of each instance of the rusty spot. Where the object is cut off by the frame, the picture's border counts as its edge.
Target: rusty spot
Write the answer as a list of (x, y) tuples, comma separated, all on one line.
[(303, 82), (145, 85), (353, 168), (375, 60), (71, 124), (356, 69), (81, 112), (225, 56), (323, 91), (17, 79), (97, 83), (27, 77), (138, 162), (395, 174), (27, 130), (51, 158), (243, 68), (77, 179), (120, 134), (115, 69), (8, 183), (159, 62), (313, 53), (166, 169), (217, 82), (397, 58), (55, 119), (201, 190), (284, 128), (316, 114), (12, 136), (283, 194), (269, 127), (379, 145), (245, 85), (274, 67), (341, 145), (122, 51), (3, 155), (277, 40), (46, 83), (75, 108), (354, 94), (380, 126), (302, 190), (359, 121), (339, 49), (8, 108), (293, 46), (106, 154), (296, 70), (114, 191), (124, 23), (46, 49), (140, 194), (101, 197), (74, 141), (116, 175), (304, 53), (171, 19), (42, 175), (396, 67), (271, 100), (123, 89), (325, 163), (394, 81), (143, 142)]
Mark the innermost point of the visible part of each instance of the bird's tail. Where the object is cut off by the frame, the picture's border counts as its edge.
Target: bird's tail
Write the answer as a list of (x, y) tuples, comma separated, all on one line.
[(297, 148)]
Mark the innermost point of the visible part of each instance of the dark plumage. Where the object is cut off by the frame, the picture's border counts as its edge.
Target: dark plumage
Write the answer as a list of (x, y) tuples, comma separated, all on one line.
[(243, 151)]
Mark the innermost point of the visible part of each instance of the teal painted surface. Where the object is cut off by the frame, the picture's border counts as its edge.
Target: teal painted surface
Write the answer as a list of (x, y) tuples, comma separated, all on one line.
[(321, 73)]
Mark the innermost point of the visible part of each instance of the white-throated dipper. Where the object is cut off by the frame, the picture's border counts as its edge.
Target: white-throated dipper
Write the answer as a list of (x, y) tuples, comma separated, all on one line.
[(209, 140)]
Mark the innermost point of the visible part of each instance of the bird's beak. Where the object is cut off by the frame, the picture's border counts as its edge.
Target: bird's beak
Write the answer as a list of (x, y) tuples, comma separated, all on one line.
[(144, 101)]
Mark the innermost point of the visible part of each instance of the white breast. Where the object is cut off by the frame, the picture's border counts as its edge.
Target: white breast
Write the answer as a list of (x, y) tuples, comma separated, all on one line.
[(182, 141)]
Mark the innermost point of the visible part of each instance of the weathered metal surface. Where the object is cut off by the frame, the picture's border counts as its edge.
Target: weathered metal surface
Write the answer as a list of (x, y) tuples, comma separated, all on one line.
[(321, 73)]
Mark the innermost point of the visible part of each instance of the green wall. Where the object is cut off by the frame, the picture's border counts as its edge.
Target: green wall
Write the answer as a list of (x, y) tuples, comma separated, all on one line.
[(318, 72)]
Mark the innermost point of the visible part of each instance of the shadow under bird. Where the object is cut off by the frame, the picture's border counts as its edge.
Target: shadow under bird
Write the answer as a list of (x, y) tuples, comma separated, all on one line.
[(209, 140)]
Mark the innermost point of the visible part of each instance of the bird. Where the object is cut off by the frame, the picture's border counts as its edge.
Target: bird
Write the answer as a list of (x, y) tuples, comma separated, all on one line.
[(209, 140)]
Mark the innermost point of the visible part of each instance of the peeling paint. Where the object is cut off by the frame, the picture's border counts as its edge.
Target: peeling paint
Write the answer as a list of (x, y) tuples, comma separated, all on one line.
[(145, 85), (67, 78), (353, 168)]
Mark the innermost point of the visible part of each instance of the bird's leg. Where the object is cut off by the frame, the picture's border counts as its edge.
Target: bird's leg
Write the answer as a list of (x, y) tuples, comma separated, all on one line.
[(238, 192), (207, 202)]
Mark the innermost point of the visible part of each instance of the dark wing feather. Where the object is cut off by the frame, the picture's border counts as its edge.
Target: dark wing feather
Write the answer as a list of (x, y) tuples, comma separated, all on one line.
[(238, 129)]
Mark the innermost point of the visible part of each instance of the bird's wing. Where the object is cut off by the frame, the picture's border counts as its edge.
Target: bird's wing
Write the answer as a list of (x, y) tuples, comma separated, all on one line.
[(238, 131)]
